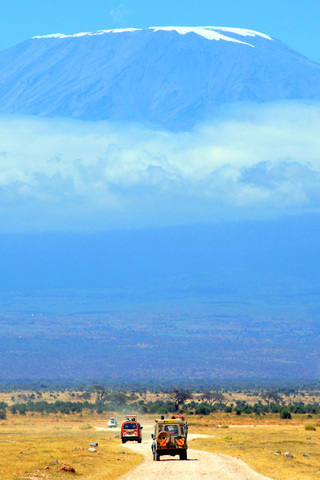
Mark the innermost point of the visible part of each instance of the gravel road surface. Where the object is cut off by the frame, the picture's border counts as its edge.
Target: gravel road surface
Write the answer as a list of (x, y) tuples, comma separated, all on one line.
[(199, 465)]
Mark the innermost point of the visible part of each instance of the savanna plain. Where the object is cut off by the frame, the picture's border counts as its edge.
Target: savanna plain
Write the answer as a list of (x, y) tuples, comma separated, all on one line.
[(278, 435)]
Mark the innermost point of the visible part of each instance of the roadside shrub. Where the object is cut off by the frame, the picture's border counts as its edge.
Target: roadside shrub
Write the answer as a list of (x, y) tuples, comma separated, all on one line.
[(310, 427), (86, 426)]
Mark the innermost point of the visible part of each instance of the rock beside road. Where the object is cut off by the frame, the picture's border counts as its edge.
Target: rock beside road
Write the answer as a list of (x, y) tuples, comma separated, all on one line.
[(65, 467)]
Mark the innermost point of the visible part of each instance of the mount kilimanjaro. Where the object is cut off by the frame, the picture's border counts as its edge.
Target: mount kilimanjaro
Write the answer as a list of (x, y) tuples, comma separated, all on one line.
[(171, 77)]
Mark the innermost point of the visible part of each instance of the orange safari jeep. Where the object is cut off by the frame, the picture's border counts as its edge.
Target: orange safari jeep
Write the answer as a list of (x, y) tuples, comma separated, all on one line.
[(169, 438), (131, 430)]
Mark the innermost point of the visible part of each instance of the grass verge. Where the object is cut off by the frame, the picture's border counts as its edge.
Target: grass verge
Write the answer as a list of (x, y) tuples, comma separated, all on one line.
[(263, 448), (36, 447)]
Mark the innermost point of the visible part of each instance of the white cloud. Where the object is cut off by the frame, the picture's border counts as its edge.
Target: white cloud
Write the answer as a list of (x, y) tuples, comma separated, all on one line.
[(251, 162)]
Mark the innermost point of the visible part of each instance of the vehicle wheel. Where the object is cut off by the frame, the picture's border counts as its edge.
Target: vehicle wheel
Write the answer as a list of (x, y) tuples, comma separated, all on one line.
[(183, 456), (139, 440), (164, 436), (123, 440), (156, 456)]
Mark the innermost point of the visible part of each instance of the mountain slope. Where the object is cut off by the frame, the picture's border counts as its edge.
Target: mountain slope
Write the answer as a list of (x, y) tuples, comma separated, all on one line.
[(164, 76)]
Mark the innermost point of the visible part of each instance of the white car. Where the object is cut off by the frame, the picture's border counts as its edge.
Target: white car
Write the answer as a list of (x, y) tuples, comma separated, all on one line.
[(112, 423)]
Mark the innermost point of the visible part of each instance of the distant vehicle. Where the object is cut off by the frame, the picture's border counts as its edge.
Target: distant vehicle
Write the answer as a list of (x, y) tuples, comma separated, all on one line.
[(131, 430), (112, 423), (170, 438)]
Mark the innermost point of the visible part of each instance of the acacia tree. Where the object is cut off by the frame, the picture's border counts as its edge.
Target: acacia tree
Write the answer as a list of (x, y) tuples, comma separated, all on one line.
[(212, 397), (271, 395), (179, 397), (101, 394), (118, 399)]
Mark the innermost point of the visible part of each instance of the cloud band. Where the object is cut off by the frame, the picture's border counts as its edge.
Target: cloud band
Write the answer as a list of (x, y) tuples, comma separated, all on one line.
[(249, 162)]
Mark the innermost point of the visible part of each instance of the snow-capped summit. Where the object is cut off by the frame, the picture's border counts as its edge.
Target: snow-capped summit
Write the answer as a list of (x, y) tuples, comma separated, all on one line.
[(210, 33), (170, 76)]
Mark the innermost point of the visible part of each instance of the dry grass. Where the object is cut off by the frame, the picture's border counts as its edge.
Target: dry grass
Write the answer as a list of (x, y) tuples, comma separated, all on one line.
[(31, 447), (259, 446)]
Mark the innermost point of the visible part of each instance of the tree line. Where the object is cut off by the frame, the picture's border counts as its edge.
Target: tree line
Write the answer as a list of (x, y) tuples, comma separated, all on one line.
[(101, 400)]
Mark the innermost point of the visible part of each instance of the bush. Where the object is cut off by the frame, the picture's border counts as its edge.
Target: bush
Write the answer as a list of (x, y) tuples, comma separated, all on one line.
[(202, 410), (310, 427), (143, 409), (86, 426), (3, 414), (299, 409), (285, 414)]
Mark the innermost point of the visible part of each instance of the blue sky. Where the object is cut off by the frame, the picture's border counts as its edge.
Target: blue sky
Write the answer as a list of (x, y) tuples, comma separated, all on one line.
[(294, 22)]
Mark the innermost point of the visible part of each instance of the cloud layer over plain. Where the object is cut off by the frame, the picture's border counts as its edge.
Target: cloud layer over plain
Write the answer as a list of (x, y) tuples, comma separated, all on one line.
[(250, 162)]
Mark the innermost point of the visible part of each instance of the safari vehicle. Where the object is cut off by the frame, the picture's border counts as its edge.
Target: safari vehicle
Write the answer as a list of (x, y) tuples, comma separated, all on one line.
[(169, 438), (131, 430), (112, 423)]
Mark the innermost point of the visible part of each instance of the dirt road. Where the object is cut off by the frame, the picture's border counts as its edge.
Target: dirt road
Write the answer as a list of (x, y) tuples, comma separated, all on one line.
[(200, 465)]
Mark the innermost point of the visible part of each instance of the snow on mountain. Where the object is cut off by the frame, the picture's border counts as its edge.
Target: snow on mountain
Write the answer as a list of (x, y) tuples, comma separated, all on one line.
[(169, 76), (210, 33)]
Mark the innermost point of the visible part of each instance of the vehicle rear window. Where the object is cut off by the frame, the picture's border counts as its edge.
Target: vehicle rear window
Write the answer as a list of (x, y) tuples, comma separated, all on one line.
[(129, 426), (172, 429)]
